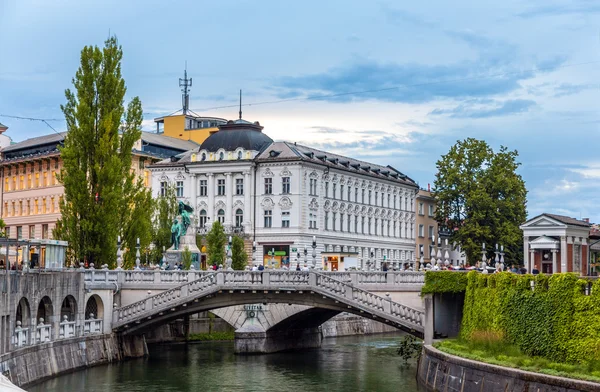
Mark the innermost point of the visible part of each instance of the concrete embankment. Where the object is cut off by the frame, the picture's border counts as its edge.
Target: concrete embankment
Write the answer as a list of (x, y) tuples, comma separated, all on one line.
[(439, 371), (37, 363)]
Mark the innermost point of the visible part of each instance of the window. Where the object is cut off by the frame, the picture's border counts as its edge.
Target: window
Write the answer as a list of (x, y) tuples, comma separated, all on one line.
[(14, 183), (203, 188), (376, 224), (420, 208), (268, 218), (369, 226), (349, 192), (28, 211), (341, 221), (36, 209), (221, 216), (326, 189), (412, 203), (376, 197), (430, 232), (22, 182), (52, 204), (32, 231), (146, 178), (268, 186), (363, 197), (179, 188), (406, 229), (45, 179), (221, 187), (44, 205), (7, 231), (6, 184), (430, 208), (326, 220), (412, 231), (13, 210), (239, 186), (202, 220), (313, 187), (421, 231), (44, 231), (285, 219), (239, 217), (312, 221), (239, 155), (406, 203), (334, 190), (394, 229), (203, 157), (20, 208), (349, 219), (341, 192), (221, 156), (334, 220), (285, 185), (370, 197), (163, 188), (394, 201), (19, 232), (388, 201), (356, 195)]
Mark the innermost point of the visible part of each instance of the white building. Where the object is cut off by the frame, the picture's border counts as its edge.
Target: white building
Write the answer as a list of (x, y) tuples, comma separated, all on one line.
[(279, 195)]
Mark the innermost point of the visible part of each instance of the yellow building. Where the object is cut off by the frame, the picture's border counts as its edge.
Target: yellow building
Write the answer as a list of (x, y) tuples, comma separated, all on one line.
[(188, 127)]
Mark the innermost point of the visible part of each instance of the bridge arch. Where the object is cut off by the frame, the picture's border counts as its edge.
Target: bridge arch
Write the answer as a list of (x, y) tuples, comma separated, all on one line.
[(45, 310), (305, 319), (24, 312), (94, 308), (68, 308)]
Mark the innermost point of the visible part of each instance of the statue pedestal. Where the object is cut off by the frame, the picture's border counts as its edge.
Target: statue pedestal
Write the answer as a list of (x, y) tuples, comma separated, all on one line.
[(186, 241)]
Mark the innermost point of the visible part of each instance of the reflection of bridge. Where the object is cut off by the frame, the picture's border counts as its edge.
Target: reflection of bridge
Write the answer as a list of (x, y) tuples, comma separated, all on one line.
[(45, 306)]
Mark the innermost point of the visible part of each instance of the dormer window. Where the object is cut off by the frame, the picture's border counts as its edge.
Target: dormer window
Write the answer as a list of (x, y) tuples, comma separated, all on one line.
[(274, 154), (239, 155), (221, 156), (203, 157)]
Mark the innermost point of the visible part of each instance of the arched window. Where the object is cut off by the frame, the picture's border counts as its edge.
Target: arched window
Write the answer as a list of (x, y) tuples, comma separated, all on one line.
[(221, 216), (221, 156), (202, 220), (239, 155), (203, 156), (239, 217)]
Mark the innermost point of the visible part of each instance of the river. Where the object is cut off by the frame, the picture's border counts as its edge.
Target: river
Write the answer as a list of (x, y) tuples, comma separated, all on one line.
[(355, 363)]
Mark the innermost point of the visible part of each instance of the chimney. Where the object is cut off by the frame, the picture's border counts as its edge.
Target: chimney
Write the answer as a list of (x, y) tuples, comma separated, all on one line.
[(428, 187), (586, 220)]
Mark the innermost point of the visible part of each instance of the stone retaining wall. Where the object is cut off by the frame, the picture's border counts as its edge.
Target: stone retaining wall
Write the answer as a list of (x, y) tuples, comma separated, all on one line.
[(36, 363), (349, 324), (439, 371)]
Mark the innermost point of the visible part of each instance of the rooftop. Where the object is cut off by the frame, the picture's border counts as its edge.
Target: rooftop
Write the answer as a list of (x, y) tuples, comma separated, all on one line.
[(568, 220)]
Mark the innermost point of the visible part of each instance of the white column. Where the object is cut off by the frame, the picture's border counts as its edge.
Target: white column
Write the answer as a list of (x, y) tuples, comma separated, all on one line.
[(211, 197), (229, 199), (526, 251), (531, 262), (563, 254), (554, 266), (247, 202)]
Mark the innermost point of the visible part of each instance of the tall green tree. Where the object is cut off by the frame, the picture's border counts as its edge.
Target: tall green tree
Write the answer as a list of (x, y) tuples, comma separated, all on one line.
[(100, 186), (215, 244), (481, 199), (165, 213), (239, 257)]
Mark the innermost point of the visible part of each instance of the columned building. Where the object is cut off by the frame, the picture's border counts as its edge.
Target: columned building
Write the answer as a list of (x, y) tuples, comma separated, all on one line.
[(281, 194), (556, 243)]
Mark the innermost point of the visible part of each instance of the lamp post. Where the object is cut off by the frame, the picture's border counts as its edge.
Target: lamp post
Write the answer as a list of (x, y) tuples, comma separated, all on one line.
[(421, 258), (314, 252), (483, 258), (137, 254), (164, 260), (502, 257), (305, 255), (432, 251), (228, 261), (497, 258), (119, 254), (371, 257), (446, 253), (272, 262), (253, 253)]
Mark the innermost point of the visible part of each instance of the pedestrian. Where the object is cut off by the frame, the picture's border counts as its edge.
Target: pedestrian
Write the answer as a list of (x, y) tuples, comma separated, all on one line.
[(261, 267), (535, 270), (305, 268), (298, 267)]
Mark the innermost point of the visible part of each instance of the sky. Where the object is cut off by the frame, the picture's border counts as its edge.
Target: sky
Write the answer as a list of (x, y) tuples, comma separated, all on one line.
[(390, 82)]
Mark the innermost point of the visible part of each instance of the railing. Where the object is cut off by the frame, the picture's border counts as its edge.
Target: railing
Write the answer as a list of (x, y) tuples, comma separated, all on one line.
[(21, 337), (66, 328), (43, 333), (92, 326), (340, 289)]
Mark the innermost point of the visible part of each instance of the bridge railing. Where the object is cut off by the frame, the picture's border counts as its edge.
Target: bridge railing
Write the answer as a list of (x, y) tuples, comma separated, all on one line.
[(66, 328), (21, 336), (92, 326)]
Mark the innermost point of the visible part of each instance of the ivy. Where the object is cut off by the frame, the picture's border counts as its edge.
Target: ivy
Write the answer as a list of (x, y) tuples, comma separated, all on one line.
[(437, 282), (553, 318)]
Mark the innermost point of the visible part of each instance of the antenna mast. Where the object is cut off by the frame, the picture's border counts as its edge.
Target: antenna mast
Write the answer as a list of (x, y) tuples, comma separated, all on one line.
[(240, 104), (185, 83)]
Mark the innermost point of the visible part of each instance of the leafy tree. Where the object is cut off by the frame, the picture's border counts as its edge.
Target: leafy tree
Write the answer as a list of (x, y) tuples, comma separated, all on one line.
[(165, 213), (239, 257), (2, 228), (99, 185), (215, 244), (137, 223), (186, 258), (481, 198)]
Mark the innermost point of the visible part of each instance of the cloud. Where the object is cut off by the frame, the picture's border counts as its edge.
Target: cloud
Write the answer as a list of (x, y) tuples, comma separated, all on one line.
[(572, 7), (489, 109), (410, 83), (566, 89), (589, 171)]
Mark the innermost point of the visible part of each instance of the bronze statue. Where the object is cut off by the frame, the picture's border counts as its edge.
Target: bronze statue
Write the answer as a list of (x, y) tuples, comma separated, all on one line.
[(185, 210), (175, 233)]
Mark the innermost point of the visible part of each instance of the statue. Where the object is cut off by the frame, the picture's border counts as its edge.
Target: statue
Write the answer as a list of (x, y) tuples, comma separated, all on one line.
[(176, 231), (185, 211)]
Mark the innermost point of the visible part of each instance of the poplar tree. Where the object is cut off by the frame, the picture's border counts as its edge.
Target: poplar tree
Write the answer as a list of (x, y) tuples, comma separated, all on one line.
[(239, 257), (100, 187)]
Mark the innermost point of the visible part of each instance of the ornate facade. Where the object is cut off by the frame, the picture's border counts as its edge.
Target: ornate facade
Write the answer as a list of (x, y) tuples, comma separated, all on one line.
[(281, 194)]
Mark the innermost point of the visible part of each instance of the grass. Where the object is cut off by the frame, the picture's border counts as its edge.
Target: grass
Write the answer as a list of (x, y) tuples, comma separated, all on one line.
[(492, 349), (203, 337)]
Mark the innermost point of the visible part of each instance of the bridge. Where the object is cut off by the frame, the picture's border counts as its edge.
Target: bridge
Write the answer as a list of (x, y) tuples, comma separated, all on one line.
[(39, 307)]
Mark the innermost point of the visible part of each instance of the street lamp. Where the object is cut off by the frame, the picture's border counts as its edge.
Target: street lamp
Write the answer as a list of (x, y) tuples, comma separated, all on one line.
[(314, 252), (502, 257), (421, 258), (372, 255), (253, 253), (305, 255), (137, 254), (119, 254), (446, 253), (483, 258), (228, 261)]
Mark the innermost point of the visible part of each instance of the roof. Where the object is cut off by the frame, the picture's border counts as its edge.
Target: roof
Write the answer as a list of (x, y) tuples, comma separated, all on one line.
[(292, 151), (2, 125), (236, 134), (568, 220), (168, 141), (37, 141)]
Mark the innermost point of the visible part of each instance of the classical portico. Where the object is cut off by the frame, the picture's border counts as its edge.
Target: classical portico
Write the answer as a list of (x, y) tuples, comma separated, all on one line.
[(556, 243)]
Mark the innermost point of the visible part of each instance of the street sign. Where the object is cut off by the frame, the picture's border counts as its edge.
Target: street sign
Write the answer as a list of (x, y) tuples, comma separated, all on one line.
[(294, 250), (280, 253)]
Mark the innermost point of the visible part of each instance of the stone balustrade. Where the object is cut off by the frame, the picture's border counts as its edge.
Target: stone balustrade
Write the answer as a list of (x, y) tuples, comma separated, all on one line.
[(42, 333)]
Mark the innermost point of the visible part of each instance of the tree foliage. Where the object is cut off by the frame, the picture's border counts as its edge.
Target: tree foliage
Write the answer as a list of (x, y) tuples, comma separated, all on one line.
[(100, 187), (186, 258), (215, 244), (481, 198), (239, 257), (165, 213)]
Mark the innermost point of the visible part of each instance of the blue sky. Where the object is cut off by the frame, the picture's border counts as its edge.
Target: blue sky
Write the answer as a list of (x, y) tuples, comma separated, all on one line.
[(521, 74)]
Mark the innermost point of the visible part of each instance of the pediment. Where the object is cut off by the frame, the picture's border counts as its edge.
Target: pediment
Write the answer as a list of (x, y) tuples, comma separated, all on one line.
[(544, 240), (542, 221)]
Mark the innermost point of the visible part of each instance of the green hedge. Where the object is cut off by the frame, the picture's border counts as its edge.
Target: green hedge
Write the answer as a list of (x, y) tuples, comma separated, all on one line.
[(444, 282), (556, 320)]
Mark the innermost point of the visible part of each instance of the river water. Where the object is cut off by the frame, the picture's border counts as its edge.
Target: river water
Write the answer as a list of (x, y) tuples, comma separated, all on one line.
[(356, 363)]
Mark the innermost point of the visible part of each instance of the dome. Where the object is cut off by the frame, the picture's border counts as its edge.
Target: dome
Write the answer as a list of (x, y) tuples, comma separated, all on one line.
[(237, 134)]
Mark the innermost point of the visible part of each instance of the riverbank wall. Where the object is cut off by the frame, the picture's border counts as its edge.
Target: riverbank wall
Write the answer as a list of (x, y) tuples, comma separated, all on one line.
[(34, 364), (439, 371)]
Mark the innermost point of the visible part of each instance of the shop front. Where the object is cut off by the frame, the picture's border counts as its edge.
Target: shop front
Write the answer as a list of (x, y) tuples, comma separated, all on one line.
[(276, 256), (339, 261)]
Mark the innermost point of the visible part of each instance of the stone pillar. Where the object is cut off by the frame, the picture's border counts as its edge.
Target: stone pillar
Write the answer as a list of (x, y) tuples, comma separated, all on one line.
[(531, 261), (428, 324), (228, 198), (563, 254), (211, 197), (554, 265), (247, 201)]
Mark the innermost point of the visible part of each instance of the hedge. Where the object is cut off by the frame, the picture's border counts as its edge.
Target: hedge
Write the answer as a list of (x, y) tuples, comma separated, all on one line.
[(555, 320), (444, 282)]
